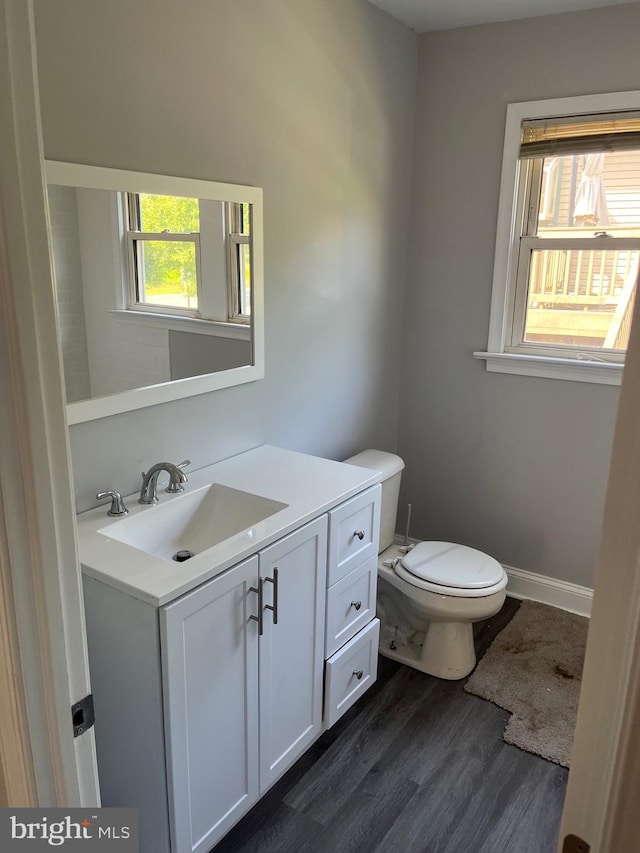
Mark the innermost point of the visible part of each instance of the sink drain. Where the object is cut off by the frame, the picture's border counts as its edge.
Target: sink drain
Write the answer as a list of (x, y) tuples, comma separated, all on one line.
[(181, 556)]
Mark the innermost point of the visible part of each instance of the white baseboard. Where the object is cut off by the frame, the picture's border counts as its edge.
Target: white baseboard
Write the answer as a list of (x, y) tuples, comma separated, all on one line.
[(532, 587), (529, 586)]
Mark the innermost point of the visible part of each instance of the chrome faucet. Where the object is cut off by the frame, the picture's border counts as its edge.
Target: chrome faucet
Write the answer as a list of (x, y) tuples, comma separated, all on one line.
[(148, 492)]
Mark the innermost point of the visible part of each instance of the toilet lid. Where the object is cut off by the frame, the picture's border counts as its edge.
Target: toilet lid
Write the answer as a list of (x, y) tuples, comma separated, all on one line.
[(451, 565)]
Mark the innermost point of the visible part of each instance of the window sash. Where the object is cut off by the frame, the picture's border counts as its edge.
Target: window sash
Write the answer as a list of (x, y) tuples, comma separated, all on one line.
[(235, 240), (516, 342), (598, 243), (136, 282), (134, 237), (529, 184)]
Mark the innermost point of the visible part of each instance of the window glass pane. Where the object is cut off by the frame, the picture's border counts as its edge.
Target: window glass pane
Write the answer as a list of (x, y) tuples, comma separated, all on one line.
[(244, 278), (246, 219), (167, 273), (581, 298), (584, 193), (168, 213)]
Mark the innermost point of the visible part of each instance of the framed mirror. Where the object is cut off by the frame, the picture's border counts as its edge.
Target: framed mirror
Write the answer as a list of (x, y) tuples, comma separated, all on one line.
[(159, 282)]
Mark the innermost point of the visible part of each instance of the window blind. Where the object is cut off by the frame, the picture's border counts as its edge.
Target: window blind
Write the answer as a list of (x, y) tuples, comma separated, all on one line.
[(580, 135)]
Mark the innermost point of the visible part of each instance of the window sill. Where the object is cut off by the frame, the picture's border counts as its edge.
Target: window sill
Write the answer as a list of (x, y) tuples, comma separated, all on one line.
[(574, 370), (239, 331)]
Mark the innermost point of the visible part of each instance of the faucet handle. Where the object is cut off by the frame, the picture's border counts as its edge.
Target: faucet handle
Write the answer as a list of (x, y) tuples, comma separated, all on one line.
[(177, 477), (117, 509)]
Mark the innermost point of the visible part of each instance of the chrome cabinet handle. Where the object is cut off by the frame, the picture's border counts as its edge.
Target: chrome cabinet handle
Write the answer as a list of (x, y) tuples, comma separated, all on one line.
[(274, 608), (259, 618), (358, 673), (356, 604), (359, 534)]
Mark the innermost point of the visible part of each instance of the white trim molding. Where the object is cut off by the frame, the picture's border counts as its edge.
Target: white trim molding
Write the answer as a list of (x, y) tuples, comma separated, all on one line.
[(530, 586), (216, 328), (575, 370), (39, 561)]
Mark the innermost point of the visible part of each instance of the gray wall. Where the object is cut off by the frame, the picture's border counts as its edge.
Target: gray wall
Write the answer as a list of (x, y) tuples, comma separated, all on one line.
[(513, 465), (315, 101), (312, 101), (192, 354)]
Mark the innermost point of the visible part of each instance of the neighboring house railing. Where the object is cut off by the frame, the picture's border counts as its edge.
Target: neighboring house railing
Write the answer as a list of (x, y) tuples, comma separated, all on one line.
[(583, 295)]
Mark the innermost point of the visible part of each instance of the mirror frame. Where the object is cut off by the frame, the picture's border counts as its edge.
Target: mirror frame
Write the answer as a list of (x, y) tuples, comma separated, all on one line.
[(101, 178)]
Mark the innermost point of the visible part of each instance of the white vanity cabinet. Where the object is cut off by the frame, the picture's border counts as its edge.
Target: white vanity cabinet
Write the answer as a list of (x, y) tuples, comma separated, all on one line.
[(205, 703), (242, 693), (210, 683)]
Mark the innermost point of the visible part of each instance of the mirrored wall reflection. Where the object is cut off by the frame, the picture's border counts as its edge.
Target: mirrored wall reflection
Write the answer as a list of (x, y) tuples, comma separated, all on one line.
[(150, 288)]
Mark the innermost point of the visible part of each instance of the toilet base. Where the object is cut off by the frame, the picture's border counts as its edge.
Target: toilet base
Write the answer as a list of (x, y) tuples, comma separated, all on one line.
[(445, 651)]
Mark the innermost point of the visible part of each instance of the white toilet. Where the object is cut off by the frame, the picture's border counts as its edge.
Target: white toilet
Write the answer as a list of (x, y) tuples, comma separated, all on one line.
[(429, 596)]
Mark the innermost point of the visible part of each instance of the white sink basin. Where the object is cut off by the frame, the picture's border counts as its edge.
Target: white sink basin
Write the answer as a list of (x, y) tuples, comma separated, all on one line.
[(228, 512), (193, 522)]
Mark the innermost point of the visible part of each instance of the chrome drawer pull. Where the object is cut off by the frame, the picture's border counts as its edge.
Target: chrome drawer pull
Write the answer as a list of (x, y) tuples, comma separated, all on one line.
[(358, 673), (356, 604), (359, 534), (259, 618)]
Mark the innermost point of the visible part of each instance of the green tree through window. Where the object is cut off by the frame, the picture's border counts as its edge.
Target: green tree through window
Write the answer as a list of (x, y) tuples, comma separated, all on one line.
[(167, 273)]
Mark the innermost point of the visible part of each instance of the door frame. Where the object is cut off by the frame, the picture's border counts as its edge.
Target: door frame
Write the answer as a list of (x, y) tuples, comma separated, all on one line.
[(44, 663), (604, 781)]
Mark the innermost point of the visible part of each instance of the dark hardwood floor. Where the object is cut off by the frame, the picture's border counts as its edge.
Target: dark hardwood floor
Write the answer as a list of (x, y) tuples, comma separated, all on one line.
[(416, 766)]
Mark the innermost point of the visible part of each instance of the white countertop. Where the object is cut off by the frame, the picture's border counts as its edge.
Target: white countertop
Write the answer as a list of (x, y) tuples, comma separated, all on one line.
[(308, 485)]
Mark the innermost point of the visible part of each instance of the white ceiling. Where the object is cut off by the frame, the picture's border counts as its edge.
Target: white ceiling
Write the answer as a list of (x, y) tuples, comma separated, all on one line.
[(426, 15)]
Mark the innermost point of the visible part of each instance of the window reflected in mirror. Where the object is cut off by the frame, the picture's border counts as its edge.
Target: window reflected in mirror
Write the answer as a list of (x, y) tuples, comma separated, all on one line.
[(151, 288), (164, 242)]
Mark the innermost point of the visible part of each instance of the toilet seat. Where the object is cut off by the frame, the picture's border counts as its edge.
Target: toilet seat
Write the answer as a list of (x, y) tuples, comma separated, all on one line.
[(450, 569)]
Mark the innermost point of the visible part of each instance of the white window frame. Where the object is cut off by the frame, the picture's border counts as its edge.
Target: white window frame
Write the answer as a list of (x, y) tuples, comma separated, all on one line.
[(235, 239), (498, 356), (134, 236), (209, 309)]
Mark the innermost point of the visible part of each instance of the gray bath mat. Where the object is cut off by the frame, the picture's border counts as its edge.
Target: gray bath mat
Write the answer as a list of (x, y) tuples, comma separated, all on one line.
[(533, 668)]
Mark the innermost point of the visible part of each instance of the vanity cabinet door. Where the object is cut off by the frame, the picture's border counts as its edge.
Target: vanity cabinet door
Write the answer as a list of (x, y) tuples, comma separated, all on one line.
[(210, 680), (293, 578)]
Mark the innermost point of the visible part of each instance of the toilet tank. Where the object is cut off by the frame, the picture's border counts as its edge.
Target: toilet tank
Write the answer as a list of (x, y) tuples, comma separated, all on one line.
[(391, 467)]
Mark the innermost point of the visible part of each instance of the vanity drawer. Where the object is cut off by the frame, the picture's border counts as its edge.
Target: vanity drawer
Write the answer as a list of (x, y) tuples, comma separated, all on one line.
[(350, 672), (354, 531), (351, 603)]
